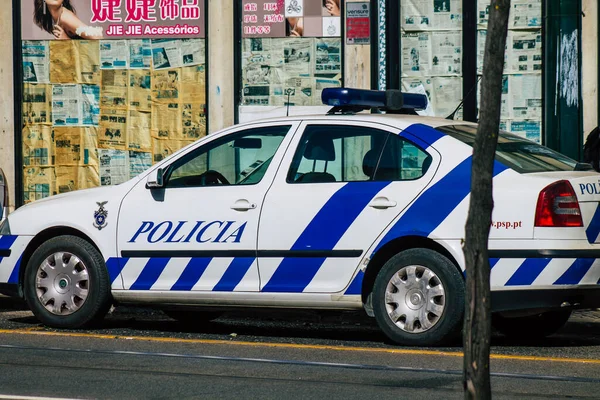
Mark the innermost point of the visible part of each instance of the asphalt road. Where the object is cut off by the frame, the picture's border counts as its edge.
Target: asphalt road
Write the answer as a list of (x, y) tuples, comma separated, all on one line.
[(138, 353)]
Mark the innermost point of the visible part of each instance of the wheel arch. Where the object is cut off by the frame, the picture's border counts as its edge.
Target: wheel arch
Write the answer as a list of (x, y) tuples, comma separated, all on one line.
[(394, 247), (44, 236)]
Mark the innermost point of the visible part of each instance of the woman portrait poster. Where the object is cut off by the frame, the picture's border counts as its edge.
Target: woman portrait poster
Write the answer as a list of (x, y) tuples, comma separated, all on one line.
[(59, 18)]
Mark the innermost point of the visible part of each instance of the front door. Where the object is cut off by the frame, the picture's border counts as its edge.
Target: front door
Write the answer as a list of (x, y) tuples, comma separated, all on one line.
[(199, 232), (334, 194)]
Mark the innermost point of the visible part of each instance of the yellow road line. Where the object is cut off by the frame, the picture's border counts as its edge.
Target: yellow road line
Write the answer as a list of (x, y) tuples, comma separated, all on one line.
[(33, 331)]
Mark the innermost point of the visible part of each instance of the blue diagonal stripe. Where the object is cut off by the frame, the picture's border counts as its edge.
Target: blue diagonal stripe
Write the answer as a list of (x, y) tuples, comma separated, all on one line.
[(528, 271), (234, 274), (436, 203), (323, 233), (356, 285), (115, 265), (14, 276), (576, 272), (150, 274), (192, 274), (424, 135), (7, 241), (593, 229)]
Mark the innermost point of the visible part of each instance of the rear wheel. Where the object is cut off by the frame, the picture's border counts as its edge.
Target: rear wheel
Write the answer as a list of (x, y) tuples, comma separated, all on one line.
[(66, 283), (418, 298), (191, 317), (531, 326)]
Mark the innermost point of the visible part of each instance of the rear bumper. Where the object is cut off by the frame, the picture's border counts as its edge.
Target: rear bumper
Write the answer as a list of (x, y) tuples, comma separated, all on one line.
[(544, 299)]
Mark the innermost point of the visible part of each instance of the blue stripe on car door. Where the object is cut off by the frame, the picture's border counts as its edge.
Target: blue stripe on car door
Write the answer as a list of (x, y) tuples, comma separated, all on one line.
[(593, 229), (14, 276), (115, 265), (323, 233), (576, 272), (234, 274), (150, 274), (192, 274), (435, 204), (529, 270)]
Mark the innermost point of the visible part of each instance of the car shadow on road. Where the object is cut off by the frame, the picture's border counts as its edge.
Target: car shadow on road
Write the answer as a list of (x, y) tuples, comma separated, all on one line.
[(344, 328)]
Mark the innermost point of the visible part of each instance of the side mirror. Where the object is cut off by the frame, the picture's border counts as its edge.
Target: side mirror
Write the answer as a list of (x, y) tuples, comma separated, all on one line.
[(156, 179)]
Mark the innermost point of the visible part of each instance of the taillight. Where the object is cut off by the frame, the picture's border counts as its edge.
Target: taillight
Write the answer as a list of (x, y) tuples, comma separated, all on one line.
[(557, 206)]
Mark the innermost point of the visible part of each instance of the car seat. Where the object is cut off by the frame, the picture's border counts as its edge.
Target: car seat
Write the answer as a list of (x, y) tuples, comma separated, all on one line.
[(318, 148)]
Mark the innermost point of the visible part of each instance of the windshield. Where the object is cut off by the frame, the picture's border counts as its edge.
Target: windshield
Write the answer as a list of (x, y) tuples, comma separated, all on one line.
[(522, 155)]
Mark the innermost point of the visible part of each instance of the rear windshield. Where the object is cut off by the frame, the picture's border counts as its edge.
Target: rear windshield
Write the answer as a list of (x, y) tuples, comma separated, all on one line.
[(515, 152)]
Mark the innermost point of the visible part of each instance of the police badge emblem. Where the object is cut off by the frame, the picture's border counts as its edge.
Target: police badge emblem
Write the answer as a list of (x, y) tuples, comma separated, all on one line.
[(100, 216)]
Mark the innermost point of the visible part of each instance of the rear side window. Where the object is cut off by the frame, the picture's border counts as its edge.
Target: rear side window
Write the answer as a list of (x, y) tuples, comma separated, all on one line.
[(515, 152), (330, 153)]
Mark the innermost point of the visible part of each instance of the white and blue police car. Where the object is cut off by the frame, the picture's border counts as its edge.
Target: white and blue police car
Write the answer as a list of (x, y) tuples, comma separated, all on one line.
[(341, 211)]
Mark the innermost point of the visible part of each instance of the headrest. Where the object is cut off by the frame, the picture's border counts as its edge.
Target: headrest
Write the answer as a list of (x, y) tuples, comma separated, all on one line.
[(320, 148), (370, 162)]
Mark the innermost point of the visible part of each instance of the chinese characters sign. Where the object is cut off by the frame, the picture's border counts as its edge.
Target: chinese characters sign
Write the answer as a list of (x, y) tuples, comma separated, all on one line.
[(294, 18), (112, 19)]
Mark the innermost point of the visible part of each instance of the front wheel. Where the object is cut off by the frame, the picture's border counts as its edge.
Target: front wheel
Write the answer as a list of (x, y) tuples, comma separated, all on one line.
[(66, 283), (418, 298), (531, 326)]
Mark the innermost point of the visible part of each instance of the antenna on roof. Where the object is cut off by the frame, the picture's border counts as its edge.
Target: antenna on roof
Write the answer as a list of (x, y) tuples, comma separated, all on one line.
[(451, 116), (288, 91)]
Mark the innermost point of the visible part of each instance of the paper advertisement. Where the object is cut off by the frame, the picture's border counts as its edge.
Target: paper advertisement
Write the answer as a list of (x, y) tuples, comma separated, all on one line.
[(166, 121), (427, 15), (139, 162), (165, 85), (140, 53), (70, 178), (140, 95), (113, 128), (37, 104), (114, 54), (114, 89), (114, 166), (38, 183), (36, 61), (139, 126), (37, 145)]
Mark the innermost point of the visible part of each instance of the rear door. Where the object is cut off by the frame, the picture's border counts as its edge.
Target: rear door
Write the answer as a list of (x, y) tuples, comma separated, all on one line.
[(337, 189)]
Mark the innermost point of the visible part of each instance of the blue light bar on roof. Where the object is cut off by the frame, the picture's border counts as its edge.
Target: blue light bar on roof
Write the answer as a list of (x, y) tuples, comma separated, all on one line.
[(391, 100)]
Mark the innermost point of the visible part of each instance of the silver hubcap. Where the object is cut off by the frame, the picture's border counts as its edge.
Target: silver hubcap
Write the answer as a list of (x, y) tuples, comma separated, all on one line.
[(62, 283), (415, 299)]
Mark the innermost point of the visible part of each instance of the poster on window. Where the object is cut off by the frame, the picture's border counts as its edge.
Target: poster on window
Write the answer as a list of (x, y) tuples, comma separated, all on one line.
[(112, 19), (291, 18)]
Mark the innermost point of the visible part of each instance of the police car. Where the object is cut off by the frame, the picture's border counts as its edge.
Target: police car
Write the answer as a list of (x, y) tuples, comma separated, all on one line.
[(343, 211)]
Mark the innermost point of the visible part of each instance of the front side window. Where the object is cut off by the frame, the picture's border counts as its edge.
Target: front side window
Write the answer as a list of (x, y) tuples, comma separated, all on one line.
[(329, 153), (238, 159)]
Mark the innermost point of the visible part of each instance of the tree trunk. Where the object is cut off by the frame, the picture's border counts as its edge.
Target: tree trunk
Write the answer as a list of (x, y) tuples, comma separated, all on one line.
[(477, 325)]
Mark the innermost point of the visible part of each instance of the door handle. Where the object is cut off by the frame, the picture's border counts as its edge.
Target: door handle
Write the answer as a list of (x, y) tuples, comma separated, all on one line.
[(381, 203), (243, 205)]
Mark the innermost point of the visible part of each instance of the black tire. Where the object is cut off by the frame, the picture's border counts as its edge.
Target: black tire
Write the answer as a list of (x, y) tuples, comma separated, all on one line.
[(192, 317), (531, 326), (85, 312), (445, 326)]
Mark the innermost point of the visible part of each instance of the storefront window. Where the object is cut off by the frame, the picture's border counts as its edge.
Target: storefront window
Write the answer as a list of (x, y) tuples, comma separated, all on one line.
[(432, 52), (110, 87), (522, 82), (291, 51)]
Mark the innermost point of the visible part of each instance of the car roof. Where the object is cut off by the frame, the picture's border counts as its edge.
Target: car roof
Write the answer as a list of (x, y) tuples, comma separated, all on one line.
[(401, 121)]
